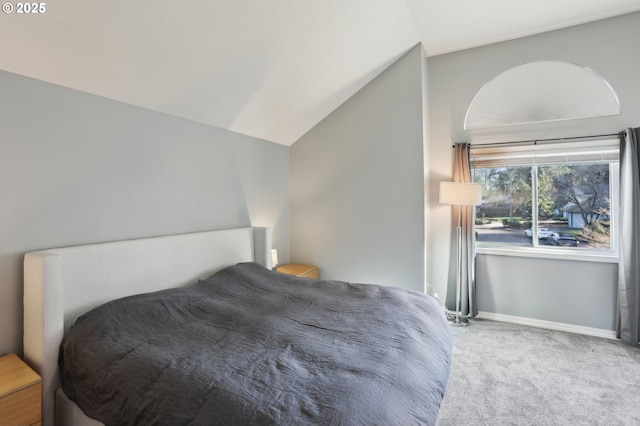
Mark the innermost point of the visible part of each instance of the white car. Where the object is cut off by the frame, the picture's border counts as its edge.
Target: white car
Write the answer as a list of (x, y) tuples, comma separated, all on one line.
[(543, 233)]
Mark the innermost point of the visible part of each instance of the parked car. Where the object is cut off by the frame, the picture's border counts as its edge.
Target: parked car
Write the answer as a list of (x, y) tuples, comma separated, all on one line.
[(543, 233), (563, 240)]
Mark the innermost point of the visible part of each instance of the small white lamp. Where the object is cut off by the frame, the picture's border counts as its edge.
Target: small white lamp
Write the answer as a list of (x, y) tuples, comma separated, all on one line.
[(274, 259), (460, 194)]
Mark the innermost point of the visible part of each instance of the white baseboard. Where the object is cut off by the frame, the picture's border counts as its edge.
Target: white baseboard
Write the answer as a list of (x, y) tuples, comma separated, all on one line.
[(570, 328)]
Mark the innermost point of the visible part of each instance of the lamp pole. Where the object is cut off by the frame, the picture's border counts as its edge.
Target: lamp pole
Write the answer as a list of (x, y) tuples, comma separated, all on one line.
[(457, 319)]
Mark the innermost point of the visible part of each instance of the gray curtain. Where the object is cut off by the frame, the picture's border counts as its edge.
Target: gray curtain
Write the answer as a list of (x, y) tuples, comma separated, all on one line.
[(469, 308), (629, 263)]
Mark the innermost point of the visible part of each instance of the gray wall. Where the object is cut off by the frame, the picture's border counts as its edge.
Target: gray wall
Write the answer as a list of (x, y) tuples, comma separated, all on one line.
[(564, 291), (581, 293), (357, 184), (76, 169)]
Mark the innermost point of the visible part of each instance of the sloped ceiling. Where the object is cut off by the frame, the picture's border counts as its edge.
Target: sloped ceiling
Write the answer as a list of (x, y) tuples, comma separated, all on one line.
[(271, 69)]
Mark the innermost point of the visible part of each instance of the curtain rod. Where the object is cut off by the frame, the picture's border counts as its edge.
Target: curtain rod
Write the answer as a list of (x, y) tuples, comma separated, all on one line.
[(536, 141)]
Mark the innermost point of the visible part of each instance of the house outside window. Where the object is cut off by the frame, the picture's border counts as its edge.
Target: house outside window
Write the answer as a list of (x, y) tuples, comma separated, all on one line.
[(549, 200)]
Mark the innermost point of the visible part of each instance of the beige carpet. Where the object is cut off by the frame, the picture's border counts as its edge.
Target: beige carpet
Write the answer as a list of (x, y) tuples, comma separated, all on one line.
[(506, 374)]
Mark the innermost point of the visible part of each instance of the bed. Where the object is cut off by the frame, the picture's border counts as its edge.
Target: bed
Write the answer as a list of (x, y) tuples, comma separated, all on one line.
[(346, 373)]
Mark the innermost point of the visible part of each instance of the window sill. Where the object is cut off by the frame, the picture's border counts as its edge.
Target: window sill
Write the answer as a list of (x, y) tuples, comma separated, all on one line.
[(551, 253)]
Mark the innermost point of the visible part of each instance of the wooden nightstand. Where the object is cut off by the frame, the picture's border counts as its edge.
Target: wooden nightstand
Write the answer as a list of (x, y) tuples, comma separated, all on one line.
[(299, 270), (20, 393)]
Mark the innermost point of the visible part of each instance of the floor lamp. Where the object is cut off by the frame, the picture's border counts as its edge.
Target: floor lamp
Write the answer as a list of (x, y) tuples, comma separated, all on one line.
[(459, 194)]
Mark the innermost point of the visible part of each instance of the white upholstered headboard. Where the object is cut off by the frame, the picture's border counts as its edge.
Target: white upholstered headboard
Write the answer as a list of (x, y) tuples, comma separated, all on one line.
[(62, 284)]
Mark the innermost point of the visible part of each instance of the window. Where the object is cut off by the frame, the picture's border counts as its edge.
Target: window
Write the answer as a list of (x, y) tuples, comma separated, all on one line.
[(556, 198)]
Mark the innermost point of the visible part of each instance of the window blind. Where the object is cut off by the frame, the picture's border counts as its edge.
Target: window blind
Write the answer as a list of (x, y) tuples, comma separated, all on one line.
[(593, 151)]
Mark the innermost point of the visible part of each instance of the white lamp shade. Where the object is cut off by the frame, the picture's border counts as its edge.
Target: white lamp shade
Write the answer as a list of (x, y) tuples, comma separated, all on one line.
[(460, 193)]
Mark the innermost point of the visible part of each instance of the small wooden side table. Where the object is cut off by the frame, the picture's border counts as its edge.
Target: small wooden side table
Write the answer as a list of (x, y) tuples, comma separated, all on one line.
[(299, 270), (20, 393)]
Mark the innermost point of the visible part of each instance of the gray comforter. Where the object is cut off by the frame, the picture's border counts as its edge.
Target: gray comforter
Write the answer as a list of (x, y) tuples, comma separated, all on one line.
[(252, 346)]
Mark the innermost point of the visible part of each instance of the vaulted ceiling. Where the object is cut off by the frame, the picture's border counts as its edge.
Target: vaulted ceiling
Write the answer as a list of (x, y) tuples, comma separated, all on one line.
[(271, 69)]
